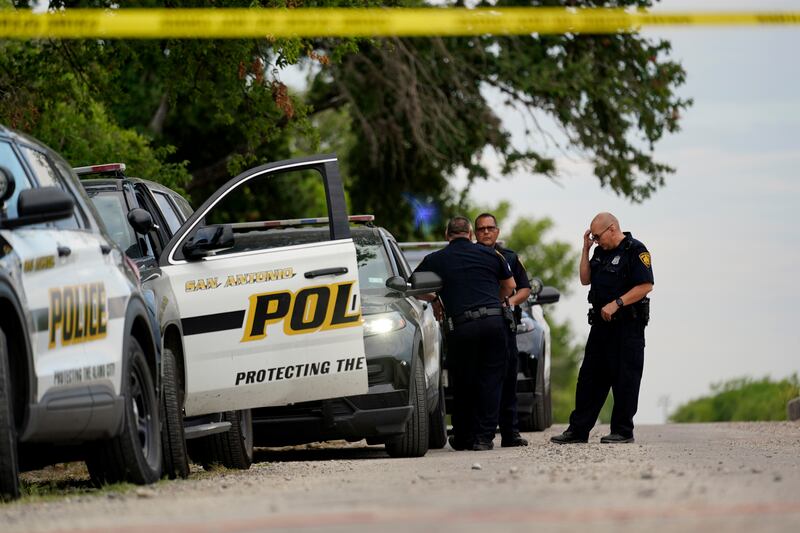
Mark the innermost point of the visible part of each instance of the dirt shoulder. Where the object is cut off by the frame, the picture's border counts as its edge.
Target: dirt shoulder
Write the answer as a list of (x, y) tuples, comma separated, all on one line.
[(675, 477)]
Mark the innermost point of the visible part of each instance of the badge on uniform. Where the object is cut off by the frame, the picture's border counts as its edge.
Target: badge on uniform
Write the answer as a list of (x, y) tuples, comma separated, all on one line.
[(615, 261), (645, 257)]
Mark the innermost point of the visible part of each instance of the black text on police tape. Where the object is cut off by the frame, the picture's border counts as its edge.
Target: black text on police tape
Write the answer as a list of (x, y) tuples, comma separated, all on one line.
[(280, 373)]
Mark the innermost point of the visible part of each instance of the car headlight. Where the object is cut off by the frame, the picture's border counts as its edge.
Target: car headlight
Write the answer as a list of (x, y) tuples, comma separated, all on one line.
[(383, 323)]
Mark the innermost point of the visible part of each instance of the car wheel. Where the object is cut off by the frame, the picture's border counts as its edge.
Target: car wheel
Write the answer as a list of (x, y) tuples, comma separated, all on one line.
[(232, 449), (414, 441), (9, 461), (173, 439), (438, 422), (541, 404), (135, 454)]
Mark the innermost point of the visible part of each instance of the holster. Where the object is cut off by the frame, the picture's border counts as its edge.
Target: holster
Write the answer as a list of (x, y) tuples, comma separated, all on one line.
[(508, 315)]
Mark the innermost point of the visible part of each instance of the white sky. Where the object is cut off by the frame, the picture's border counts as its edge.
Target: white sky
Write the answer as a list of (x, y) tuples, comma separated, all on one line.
[(720, 232)]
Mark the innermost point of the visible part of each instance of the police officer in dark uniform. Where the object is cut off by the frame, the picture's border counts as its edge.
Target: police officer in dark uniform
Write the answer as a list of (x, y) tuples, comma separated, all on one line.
[(487, 232), (621, 277), (475, 279)]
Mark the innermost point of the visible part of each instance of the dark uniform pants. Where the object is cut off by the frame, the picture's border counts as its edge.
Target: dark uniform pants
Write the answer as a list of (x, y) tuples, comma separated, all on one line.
[(509, 423), (613, 360), (476, 361)]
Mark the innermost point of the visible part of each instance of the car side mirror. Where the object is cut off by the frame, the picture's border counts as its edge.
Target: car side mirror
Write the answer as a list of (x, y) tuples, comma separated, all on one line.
[(44, 204), (140, 220), (423, 283), (208, 239), (397, 283), (7, 184), (548, 295)]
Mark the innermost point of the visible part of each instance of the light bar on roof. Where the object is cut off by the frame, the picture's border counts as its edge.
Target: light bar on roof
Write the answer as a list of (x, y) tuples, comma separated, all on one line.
[(107, 168), (363, 219)]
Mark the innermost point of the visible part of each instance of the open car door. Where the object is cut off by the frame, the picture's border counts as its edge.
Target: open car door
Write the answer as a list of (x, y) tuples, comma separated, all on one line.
[(268, 321)]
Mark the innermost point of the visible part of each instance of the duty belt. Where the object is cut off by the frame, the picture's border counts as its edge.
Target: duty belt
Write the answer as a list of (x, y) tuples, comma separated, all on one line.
[(476, 314)]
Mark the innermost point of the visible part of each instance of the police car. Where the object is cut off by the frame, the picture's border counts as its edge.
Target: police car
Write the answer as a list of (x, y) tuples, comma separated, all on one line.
[(534, 404), (78, 359), (534, 397), (142, 216), (404, 408), (250, 322)]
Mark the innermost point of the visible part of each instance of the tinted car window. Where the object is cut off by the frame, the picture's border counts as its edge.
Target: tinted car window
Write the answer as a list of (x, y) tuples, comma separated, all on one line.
[(47, 177), (113, 212), (171, 217), (184, 206), (373, 263), (9, 160)]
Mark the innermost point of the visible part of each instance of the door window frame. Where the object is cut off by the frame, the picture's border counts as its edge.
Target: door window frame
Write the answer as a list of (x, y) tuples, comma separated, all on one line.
[(326, 165)]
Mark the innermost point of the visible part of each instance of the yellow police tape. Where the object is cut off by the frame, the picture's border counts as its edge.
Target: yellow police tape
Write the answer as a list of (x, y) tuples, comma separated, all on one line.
[(356, 22)]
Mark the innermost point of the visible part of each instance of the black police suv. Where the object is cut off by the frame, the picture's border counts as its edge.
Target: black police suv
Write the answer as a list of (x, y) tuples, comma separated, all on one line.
[(534, 405), (404, 407), (79, 354)]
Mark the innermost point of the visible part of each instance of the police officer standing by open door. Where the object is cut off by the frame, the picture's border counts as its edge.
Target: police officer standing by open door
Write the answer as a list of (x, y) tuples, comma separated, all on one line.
[(475, 279), (487, 232), (621, 277)]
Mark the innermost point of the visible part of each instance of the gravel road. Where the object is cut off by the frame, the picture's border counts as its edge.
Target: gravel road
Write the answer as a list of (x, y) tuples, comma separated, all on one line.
[(677, 477)]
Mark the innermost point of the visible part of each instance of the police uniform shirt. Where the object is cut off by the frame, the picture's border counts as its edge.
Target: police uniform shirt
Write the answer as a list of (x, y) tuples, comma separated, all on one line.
[(470, 273), (517, 268), (615, 272)]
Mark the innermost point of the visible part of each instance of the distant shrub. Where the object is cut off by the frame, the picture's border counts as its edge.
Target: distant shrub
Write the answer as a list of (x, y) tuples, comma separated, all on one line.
[(741, 399)]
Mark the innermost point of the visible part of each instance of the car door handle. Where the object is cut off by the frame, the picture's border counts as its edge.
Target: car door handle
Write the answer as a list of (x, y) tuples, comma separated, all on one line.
[(334, 271), (64, 251), (106, 249)]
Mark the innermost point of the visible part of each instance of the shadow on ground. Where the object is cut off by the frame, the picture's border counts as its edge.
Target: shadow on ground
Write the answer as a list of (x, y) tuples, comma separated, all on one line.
[(320, 452)]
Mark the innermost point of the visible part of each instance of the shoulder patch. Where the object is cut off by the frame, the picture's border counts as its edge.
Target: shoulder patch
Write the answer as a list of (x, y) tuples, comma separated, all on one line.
[(645, 258)]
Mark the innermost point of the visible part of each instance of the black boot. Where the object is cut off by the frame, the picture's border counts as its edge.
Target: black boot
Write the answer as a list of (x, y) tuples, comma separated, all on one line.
[(568, 437)]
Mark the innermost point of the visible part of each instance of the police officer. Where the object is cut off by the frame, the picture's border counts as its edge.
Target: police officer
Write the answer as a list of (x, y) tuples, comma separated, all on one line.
[(487, 232), (621, 277), (475, 279)]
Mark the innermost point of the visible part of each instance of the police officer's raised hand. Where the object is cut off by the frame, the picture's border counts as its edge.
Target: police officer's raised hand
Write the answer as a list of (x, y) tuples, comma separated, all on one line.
[(587, 240), (608, 310)]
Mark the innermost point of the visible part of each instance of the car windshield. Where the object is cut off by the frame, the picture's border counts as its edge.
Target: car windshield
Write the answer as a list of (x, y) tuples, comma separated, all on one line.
[(373, 263), (111, 207)]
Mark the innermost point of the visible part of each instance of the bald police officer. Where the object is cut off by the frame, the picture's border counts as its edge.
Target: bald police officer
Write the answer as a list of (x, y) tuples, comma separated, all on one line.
[(621, 277), (487, 233), (475, 280)]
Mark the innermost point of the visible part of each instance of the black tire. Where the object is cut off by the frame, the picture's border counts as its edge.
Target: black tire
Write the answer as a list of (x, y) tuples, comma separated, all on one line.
[(9, 461), (540, 405), (173, 439), (437, 438), (135, 454), (232, 449), (414, 441)]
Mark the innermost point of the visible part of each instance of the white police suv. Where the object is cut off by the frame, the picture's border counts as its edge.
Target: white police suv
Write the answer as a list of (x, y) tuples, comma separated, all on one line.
[(252, 316), (78, 357)]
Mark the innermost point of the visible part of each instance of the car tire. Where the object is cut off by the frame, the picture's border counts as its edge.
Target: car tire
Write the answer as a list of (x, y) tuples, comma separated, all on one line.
[(541, 400), (232, 449), (437, 438), (414, 441), (135, 454), (173, 438), (9, 460)]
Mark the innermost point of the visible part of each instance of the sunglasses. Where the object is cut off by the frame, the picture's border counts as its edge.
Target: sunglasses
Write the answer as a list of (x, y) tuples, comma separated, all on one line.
[(487, 229), (595, 237)]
